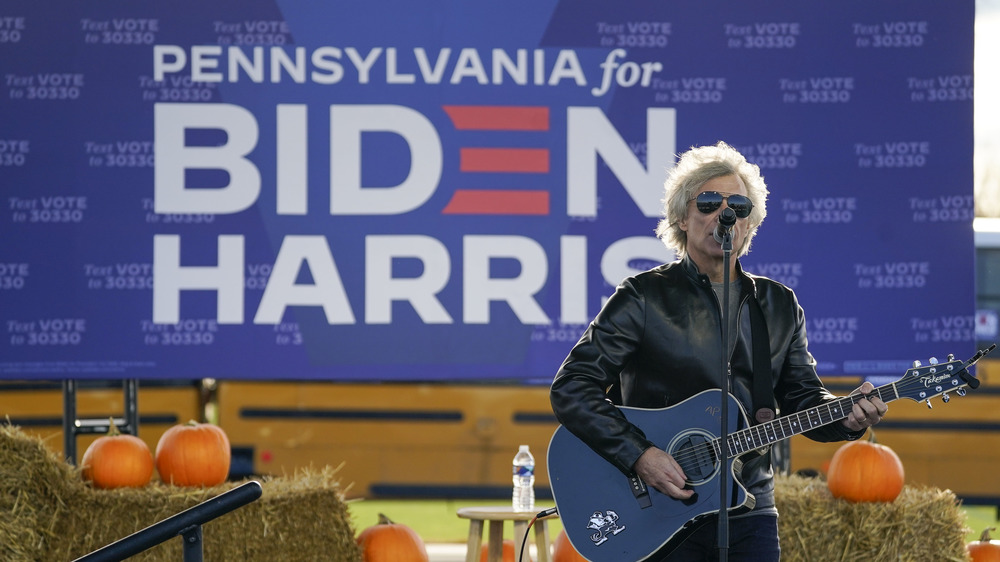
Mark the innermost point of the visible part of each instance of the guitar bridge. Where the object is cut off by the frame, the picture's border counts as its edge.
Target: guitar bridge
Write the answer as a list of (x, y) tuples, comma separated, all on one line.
[(640, 491)]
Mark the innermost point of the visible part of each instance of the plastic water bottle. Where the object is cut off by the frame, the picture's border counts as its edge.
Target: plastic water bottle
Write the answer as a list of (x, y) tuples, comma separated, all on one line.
[(524, 480)]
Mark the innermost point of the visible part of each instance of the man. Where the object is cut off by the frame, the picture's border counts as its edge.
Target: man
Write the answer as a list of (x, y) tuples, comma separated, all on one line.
[(658, 341)]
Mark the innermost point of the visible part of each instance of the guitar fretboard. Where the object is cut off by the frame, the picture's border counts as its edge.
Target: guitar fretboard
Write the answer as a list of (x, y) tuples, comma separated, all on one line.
[(757, 436), (919, 383)]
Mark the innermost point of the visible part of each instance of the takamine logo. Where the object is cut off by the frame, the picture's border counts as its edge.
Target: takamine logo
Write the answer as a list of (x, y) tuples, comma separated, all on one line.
[(928, 380)]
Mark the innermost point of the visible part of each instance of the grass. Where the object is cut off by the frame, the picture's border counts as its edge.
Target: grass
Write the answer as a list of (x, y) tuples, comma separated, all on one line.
[(436, 522), (981, 517)]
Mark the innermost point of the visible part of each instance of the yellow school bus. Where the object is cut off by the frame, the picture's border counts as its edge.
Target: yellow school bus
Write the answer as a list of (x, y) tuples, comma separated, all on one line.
[(457, 440)]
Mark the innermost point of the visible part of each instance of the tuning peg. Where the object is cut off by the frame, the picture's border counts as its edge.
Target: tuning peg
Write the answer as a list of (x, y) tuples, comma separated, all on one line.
[(933, 361), (929, 405), (945, 398), (951, 357), (960, 391), (916, 363)]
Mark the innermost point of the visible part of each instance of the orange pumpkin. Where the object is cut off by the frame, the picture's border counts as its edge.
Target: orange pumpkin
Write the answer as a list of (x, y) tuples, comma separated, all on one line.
[(391, 542), (117, 461), (984, 550), (563, 551), (193, 454), (865, 471), (509, 551)]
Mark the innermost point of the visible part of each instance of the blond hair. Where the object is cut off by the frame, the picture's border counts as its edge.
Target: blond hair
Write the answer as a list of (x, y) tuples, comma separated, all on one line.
[(695, 167)]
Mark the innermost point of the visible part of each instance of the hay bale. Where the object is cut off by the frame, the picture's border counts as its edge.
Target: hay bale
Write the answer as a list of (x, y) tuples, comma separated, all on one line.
[(55, 515), (923, 524), (33, 497)]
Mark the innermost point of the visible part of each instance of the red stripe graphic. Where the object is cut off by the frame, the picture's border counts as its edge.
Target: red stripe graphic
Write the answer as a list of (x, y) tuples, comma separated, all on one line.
[(500, 160), (498, 118), (498, 202), (524, 160)]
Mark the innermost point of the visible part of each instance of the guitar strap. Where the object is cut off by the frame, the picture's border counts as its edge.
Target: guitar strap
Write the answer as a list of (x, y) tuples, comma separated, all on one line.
[(763, 389)]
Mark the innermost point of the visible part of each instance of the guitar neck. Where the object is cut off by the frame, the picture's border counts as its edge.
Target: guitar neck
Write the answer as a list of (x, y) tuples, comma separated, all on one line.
[(757, 436)]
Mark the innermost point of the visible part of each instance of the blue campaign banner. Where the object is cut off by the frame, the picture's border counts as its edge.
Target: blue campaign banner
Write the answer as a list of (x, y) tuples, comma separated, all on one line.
[(391, 190)]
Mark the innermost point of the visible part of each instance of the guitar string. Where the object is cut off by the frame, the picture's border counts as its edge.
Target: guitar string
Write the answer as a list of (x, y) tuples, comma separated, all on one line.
[(736, 442), (711, 449), (701, 450)]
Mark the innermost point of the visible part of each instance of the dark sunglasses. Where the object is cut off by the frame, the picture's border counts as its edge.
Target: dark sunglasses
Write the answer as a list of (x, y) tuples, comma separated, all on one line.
[(709, 201)]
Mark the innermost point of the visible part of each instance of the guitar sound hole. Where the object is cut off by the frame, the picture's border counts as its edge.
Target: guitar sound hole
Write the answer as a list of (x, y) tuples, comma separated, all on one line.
[(696, 454)]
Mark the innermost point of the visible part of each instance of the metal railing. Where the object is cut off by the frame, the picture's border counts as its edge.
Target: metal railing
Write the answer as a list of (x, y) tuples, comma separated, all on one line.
[(187, 524), (73, 426)]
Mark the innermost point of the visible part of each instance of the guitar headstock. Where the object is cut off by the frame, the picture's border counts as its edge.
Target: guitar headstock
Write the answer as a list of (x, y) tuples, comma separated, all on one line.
[(923, 382)]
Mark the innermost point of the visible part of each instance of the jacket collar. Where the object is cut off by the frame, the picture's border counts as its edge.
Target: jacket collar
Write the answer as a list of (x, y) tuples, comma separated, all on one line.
[(691, 269)]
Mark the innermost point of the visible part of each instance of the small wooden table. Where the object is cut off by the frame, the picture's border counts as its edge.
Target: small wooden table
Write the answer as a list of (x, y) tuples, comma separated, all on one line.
[(496, 515)]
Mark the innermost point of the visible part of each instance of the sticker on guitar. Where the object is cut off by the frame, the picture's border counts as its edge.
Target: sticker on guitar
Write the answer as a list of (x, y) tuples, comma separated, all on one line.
[(604, 523)]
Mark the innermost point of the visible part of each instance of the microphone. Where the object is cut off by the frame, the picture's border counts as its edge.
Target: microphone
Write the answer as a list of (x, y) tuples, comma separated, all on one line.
[(727, 218)]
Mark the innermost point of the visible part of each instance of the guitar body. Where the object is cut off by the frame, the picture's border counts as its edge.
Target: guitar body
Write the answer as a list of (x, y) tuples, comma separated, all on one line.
[(603, 518)]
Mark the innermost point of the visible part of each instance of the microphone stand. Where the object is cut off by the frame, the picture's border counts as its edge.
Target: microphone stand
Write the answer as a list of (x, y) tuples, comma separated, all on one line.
[(723, 535)]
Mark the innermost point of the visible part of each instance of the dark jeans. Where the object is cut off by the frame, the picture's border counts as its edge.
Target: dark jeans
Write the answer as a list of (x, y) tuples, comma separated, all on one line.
[(751, 539)]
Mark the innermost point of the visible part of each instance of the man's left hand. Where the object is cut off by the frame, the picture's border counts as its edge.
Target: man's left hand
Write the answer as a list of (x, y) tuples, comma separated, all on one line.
[(868, 411)]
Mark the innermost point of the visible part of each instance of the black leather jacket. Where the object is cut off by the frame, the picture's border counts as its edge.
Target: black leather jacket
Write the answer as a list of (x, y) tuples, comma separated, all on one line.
[(658, 341)]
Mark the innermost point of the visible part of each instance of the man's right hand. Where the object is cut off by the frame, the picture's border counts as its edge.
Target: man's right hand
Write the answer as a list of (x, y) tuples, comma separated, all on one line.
[(658, 469)]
